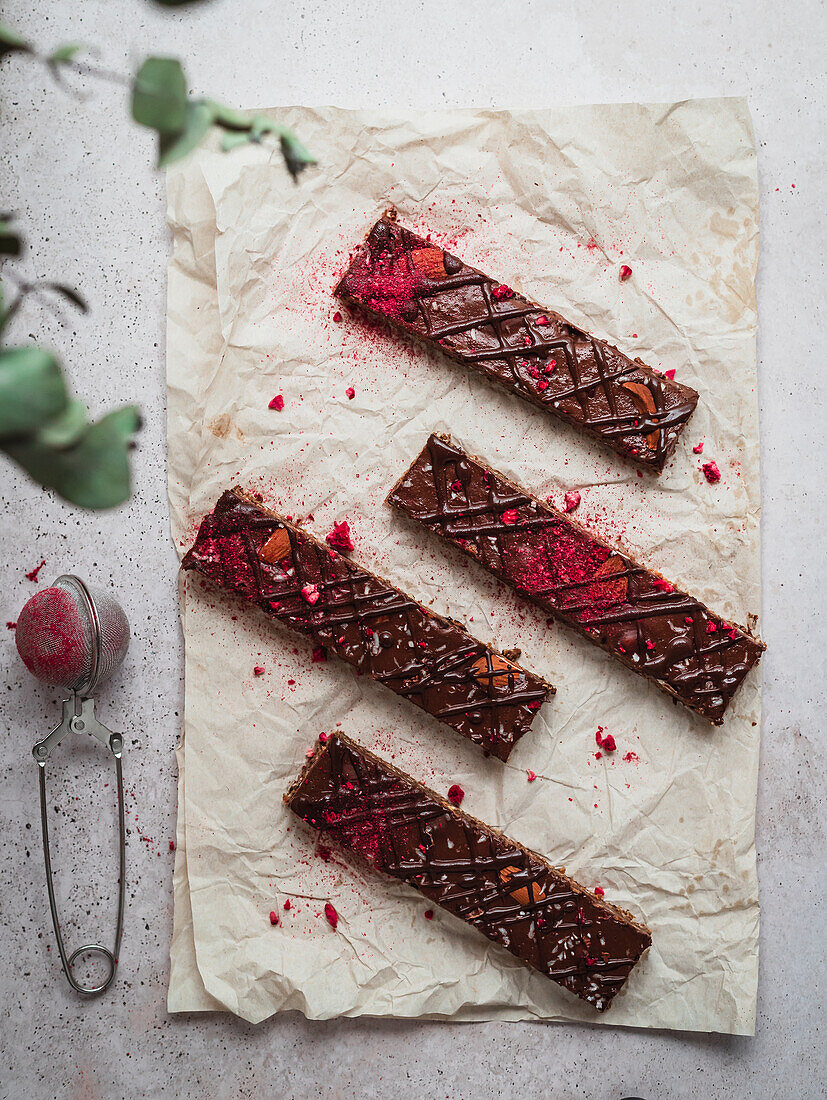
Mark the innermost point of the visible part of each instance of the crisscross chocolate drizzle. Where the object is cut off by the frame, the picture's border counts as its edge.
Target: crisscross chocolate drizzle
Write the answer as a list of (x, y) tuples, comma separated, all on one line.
[(531, 351), (509, 893), (632, 612), (373, 626)]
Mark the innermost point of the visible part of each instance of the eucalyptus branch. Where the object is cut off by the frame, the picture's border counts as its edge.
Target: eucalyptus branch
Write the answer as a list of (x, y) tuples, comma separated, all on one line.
[(42, 428), (38, 289)]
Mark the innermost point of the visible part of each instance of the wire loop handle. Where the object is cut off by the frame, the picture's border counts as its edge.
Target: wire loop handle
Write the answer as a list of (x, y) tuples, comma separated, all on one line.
[(83, 721)]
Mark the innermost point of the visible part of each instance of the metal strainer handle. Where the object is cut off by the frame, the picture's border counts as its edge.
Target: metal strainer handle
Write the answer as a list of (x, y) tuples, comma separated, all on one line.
[(83, 720)]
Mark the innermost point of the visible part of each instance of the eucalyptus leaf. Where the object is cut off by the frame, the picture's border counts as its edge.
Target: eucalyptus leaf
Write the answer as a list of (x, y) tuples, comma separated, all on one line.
[(66, 428), (159, 95), (261, 125), (172, 147), (11, 42), (94, 471), (228, 117), (233, 140), (64, 53), (32, 390), (296, 156)]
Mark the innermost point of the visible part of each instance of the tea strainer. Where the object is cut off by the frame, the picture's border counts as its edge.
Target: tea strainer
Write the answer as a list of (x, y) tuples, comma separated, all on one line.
[(75, 637)]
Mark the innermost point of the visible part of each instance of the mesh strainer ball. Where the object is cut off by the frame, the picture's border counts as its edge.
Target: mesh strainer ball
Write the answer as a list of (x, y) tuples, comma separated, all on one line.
[(72, 636)]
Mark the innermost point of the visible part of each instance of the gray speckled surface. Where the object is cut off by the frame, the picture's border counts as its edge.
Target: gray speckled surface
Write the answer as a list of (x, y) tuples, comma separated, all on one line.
[(78, 174)]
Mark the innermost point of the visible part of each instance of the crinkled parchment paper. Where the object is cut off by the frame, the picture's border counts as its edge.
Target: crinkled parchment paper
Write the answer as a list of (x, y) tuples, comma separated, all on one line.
[(551, 202)]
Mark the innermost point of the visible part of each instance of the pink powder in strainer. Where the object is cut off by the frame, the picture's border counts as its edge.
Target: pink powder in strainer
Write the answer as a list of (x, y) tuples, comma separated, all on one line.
[(53, 639)]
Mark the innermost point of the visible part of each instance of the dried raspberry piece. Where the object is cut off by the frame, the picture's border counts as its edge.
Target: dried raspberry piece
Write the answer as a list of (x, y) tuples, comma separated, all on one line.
[(337, 317), (609, 743), (172, 845), (599, 735), (510, 516), (711, 472), (456, 794), (572, 500), (311, 593), (662, 585), (258, 670), (699, 448), (277, 403), (502, 291), (670, 374), (534, 706), (428, 914), (324, 853), (530, 775), (625, 272), (32, 574), (599, 891), (318, 655), (331, 914), (323, 738), (711, 627), (288, 905), (339, 538), (274, 918), (542, 385), (351, 393), (542, 320), (11, 626)]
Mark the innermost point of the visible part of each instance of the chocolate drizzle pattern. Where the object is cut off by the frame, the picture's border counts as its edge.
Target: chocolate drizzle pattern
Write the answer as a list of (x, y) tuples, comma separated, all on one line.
[(376, 628), (634, 614), (509, 893), (533, 352)]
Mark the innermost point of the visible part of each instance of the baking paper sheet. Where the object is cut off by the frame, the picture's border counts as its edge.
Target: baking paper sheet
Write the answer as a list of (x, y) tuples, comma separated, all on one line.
[(551, 202)]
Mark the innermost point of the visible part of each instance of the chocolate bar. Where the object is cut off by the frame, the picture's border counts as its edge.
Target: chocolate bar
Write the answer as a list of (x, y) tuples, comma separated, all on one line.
[(509, 893), (531, 351), (373, 626), (632, 612)]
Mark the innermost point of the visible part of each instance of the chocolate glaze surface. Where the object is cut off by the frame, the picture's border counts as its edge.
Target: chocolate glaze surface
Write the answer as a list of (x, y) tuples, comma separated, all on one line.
[(376, 628), (509, 893), (630, 611), (533, 352)]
